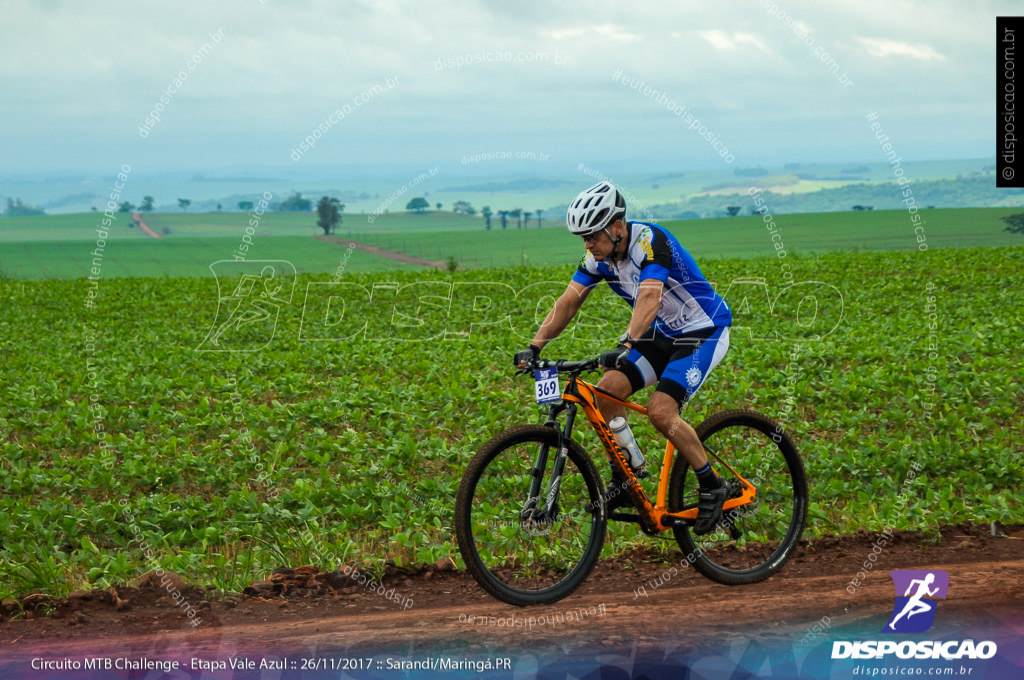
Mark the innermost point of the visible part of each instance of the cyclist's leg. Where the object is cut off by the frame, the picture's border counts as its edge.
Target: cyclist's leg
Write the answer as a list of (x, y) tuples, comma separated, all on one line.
[(687, 370), (615, 383), (690, 363), (639, 369), (663, 410)]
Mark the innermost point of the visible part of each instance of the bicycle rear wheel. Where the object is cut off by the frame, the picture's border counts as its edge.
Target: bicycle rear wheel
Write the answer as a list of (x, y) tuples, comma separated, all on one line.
[(514, 558), (754, 540)]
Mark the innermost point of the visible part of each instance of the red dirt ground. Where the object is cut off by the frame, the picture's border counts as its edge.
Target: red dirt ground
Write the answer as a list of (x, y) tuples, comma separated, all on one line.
[(986, 574)]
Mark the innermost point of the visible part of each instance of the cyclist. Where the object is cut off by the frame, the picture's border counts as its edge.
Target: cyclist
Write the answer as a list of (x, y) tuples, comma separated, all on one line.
[(679, 330)]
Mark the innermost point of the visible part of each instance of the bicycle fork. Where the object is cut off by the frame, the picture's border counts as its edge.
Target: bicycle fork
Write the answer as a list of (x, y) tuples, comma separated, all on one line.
[(548, 513)]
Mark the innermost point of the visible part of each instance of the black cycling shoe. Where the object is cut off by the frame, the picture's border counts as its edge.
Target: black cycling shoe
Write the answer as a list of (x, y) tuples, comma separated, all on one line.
[(709, 506), (616, 495)]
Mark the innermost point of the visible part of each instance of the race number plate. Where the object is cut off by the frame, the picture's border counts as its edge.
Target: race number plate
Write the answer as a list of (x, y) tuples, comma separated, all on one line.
[(546, 383)]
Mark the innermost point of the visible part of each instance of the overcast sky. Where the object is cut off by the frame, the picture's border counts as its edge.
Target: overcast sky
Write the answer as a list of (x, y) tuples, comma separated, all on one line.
[(79, 79)]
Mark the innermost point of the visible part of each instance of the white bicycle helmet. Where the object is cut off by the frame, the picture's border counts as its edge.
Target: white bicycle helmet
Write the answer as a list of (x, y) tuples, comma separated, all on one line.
[(594, 209)]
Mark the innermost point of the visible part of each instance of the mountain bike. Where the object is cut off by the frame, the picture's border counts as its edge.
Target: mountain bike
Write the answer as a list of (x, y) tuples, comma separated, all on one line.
[(532, 511)]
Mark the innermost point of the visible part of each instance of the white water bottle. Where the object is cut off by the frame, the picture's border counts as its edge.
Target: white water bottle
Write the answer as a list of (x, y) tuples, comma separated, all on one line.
[(624, 436)]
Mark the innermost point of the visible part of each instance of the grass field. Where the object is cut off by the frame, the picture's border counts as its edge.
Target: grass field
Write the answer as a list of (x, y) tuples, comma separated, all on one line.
[(179, 257), (304, 224), (82, 226), (807, 234), (223, 465), (60, 246), (78, 226)]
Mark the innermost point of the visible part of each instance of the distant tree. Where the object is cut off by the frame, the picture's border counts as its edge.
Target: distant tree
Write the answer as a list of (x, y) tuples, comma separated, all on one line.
[(245, 205), (518, 214), (438, 206), (295, 203), (1014, 223), (146, 205), (125, 207), (526, 218), (733, 210), (15, 208), (539, 213), (93, 208), (504, 218), (417, 205), (184, 203), (218, 207), (463, 207), (329, 214), (486, 212)]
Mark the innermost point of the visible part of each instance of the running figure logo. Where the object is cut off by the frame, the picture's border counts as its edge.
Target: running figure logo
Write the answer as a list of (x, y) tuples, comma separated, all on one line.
[(250, 295), (913, 613)]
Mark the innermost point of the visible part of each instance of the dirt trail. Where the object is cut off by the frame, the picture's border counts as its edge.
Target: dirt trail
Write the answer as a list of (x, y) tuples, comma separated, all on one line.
[(389, 254), (137, 218), (607, 612)]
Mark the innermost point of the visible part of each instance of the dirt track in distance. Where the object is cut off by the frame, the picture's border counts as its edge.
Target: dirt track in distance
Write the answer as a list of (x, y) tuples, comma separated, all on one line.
[(145, 228), (389, 254)]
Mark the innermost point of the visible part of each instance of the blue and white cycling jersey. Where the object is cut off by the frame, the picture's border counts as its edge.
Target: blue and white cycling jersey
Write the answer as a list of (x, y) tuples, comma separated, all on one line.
[(688, 304)]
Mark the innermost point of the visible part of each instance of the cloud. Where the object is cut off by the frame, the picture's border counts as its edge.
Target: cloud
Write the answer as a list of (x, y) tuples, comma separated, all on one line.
[(882, 47), (607, 30), (615, 33), (721, 40), (537, 75)]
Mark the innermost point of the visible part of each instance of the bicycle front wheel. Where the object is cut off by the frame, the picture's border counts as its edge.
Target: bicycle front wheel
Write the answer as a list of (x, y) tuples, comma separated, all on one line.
[(754, 540), (529, 550)]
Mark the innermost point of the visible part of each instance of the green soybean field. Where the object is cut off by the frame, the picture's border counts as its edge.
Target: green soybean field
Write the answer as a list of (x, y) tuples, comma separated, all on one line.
[(339, 427)]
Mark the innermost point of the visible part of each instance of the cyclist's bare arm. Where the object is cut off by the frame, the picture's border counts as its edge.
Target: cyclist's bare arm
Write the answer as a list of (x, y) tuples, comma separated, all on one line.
[(648, 302), (561, 314)]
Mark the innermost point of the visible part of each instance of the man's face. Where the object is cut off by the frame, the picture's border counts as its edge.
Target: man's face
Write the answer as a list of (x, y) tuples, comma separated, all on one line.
[(598, 243)]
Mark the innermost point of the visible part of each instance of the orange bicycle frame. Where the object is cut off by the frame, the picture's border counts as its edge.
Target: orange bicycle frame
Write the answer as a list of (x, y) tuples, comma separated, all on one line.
[(654, 517)]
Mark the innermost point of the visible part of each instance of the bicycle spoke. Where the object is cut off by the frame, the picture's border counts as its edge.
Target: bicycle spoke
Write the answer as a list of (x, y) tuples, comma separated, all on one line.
[(524, 548), (753, 539)]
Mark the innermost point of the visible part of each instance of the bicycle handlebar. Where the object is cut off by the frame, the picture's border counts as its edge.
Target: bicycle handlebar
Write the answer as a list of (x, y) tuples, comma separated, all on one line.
[(563, 365)]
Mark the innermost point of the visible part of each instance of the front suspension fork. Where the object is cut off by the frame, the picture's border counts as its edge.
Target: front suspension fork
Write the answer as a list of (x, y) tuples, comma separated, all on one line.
[(549, 511)]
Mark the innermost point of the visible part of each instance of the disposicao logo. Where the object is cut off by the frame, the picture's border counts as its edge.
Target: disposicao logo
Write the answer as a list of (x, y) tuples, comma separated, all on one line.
[(917, 595), (914, 611)]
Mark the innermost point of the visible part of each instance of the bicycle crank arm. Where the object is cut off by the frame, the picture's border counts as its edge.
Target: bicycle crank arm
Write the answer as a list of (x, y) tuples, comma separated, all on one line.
[(670, 521)]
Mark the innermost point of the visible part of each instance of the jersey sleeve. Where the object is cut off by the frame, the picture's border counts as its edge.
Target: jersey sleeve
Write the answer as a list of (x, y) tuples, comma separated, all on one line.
[(586, 273), (656, 262)]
